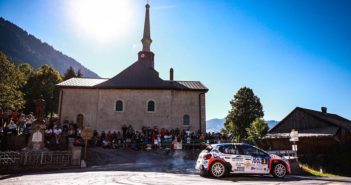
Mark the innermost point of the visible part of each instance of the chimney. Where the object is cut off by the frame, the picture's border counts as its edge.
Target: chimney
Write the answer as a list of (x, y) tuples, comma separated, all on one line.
[(171, 74), (324, 109)]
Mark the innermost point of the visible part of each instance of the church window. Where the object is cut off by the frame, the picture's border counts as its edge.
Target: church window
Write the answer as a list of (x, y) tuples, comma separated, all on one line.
[(119, 106), (151, 106), (186, 119)]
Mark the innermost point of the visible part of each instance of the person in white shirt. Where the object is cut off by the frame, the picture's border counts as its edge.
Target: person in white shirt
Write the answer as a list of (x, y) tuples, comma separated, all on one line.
[(57, 132)]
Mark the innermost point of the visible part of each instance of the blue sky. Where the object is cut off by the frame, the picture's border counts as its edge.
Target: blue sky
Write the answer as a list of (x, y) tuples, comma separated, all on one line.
[(291, 53)]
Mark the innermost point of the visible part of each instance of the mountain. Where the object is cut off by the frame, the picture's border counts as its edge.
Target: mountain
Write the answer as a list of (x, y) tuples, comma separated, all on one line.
[(22, 47), (272, 123), (214, 125)]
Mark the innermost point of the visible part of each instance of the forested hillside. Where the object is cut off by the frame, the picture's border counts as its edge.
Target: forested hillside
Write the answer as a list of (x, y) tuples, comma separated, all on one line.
[(22, 47)]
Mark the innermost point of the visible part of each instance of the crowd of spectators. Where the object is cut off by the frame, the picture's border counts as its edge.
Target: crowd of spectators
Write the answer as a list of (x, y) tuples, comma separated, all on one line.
[(153, 137), (14, 122), (59, 136)]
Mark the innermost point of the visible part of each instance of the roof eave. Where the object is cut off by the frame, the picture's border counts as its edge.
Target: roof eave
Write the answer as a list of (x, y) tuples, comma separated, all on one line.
[(139, 88)]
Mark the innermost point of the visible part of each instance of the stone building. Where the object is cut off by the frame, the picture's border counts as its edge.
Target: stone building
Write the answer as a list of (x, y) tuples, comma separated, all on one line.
[(136, 96)]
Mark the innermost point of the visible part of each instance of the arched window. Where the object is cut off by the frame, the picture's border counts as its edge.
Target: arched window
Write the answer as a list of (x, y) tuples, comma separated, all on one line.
[(186, 119), (151, 106), (119, 106)]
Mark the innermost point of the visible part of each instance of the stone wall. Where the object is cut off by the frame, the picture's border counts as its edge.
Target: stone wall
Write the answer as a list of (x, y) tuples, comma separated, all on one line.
[(98, 108)]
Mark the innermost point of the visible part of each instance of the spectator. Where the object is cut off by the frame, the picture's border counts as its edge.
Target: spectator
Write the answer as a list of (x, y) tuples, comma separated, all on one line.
[(124, 132), (57, 133), (12, 128), (1, 118), (119, 137)]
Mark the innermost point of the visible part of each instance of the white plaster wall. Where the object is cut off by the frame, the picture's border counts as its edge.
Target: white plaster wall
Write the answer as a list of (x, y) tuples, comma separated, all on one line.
[(98, 108), (79, 101)]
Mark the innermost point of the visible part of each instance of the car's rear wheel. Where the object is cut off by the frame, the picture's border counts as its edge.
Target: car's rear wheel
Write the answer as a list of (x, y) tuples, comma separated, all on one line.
[(279, 170), (218, 169)]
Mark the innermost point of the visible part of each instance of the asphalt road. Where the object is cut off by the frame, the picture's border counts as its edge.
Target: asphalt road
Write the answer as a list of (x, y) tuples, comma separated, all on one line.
[(136, 168), (157, 178)]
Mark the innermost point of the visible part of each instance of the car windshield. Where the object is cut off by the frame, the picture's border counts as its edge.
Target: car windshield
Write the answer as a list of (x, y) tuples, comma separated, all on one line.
[(209, 148)]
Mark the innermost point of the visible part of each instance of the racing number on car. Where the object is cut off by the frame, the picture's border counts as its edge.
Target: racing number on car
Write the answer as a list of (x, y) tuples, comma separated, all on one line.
[(259, 165)]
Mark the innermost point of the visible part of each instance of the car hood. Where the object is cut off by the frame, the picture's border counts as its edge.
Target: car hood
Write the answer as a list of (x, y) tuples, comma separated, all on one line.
[(274, 156)]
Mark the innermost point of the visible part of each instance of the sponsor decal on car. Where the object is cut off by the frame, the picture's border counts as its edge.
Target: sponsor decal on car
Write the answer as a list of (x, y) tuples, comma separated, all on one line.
[(247, 164), (239, 169)]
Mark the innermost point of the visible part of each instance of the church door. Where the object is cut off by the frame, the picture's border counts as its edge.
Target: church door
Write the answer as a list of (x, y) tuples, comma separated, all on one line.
[(80, 119)]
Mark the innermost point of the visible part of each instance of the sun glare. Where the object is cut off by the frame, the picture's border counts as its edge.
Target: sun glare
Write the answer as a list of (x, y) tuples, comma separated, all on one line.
[(101, 20)]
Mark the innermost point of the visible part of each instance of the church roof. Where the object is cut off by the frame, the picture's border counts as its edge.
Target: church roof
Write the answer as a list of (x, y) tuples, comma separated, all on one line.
[(138, 75), (82, 82), (97, 83)]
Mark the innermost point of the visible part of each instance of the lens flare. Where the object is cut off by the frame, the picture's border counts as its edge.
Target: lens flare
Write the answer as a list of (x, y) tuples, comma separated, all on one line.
[(101, 20)]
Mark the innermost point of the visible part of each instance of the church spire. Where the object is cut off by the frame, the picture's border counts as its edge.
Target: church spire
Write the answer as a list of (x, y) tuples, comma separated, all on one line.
[(146, 40), (146, 55)]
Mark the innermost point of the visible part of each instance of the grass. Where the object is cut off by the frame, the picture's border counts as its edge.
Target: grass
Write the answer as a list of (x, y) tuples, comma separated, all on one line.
[(314, 172)]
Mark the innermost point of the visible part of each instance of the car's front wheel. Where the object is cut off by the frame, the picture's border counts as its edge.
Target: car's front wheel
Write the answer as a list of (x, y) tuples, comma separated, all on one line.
[(218, 169), (279, 170), (203, 172)]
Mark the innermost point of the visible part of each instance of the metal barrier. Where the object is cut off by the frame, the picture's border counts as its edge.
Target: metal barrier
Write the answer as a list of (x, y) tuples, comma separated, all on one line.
[(35, 159), (289, 154), (10, 158)]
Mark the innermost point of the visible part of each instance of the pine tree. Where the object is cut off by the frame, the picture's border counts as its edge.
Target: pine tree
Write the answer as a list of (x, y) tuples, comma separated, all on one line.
[(246, 107), (69, 73)]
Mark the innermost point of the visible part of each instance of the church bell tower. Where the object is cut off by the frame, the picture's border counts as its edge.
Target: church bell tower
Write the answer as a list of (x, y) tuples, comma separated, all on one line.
[(146, 55)]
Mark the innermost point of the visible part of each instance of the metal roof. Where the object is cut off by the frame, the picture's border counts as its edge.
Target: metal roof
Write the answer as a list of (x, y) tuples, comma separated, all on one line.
[(81, 82), (193, 85), (98, 83)]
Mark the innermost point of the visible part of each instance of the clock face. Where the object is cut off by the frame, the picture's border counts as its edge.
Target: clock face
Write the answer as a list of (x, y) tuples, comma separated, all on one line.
[(142, 55)]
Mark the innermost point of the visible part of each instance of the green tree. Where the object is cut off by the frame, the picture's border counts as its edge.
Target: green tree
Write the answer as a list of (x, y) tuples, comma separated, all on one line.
[(79, 74), (256, 131), (246, 107), (70, 73), (11, 80), (26, 69), (43, 82)]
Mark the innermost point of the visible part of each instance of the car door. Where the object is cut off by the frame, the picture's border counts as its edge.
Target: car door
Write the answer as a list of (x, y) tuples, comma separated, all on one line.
[(230, 154), (237, 160), (255, 160)]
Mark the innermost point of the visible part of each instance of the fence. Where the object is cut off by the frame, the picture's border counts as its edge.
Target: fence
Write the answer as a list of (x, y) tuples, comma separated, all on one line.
[(13, 160), (289, 154)]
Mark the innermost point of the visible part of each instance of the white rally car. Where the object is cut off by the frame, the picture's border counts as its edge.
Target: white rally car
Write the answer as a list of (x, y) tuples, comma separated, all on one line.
[(220, 159)]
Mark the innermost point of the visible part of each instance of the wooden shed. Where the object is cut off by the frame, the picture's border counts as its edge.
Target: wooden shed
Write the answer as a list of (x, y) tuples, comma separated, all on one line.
[(318, 131)]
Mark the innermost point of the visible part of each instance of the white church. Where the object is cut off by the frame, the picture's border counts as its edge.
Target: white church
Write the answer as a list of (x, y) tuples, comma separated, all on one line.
[(136, 96)]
